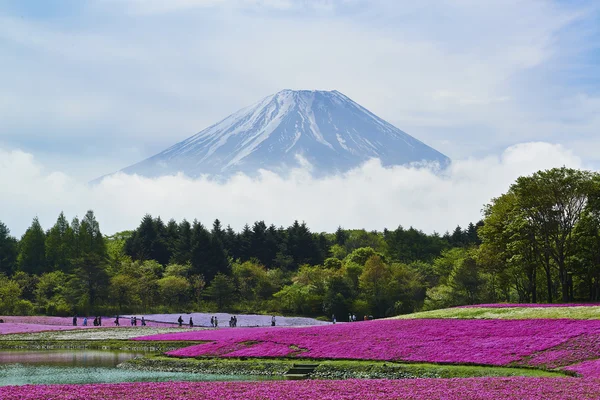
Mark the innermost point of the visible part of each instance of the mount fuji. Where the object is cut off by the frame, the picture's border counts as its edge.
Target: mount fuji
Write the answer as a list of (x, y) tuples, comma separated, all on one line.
[(324, 128)]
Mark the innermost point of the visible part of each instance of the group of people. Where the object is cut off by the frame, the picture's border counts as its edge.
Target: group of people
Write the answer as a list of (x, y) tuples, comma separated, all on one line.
[(132, 320), (180, 322), (214, 321), (97, 321)]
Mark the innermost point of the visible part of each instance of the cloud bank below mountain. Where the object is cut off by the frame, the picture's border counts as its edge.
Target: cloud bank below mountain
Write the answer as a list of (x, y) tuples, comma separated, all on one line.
[(370, 197)]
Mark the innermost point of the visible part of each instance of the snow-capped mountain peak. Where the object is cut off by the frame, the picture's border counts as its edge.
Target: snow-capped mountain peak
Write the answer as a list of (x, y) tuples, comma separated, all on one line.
[(328, 129)]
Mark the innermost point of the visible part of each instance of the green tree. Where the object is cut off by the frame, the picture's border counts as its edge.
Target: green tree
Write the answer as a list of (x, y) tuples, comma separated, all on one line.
[(10, 293), (374, 285), (221, 290), (8, 251), (123, 292), (552, 202), (32, 254), (175, 290), (59, 245)]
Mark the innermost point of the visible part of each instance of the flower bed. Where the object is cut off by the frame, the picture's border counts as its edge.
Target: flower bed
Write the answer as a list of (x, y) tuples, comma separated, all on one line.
[(491, 342), (530, 305), (589, 369), (577, 349), (416, 389)]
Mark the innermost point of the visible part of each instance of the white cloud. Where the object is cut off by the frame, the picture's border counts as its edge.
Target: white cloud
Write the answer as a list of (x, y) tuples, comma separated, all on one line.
[(370, 197)]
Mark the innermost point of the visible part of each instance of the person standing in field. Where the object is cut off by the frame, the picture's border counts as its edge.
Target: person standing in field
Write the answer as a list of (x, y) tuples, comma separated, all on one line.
[(75, 320), (85, 321), (180, 321), (143, 321), (117, 321), (191, 323)]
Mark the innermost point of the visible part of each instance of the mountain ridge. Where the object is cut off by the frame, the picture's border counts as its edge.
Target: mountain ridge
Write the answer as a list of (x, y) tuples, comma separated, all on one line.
[(328, 129)]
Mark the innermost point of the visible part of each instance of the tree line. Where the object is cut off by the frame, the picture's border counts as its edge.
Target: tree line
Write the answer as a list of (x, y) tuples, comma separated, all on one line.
[(538, 242)]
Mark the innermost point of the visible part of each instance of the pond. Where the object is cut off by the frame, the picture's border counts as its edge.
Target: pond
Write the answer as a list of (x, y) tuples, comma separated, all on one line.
[(22, 367)]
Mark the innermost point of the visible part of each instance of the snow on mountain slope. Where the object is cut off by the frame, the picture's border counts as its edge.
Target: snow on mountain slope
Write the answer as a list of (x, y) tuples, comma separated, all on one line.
[(329, 130)]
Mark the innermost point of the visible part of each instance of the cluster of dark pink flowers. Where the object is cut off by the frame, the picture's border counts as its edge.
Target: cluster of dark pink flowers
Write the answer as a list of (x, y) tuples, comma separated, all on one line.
[(588, 369), (580, 348), (492, 342), (415, 389)]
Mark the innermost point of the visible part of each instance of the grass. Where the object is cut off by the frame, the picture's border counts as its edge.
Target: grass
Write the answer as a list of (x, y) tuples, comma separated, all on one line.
[(328, 369), (585, 312), (110, 344)]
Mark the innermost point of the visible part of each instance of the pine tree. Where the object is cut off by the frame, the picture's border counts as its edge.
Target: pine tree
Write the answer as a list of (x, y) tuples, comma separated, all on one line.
[(8, 251), (32, 256), (59, 242)]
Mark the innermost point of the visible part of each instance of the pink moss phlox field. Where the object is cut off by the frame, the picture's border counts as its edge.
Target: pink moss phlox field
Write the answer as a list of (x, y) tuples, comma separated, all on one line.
[(492, 342), (415, 389), (588, 369), (529, 305), (580, 348)]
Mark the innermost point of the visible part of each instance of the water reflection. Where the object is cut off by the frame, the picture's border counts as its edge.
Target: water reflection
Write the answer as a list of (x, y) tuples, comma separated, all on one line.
[(82, 358), (44, 367)]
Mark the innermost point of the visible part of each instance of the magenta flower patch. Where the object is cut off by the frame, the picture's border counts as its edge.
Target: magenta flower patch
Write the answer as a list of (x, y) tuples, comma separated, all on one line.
[(492, 342), (415, 389)]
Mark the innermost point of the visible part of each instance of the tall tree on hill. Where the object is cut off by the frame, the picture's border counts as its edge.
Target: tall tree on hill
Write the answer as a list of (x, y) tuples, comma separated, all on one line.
[(230, 242), (244, 249), (457, 238), (160, 247), (183, 245), (301, 245), (553, 202), (76, 227), (258, 242), (171, 237), (200, 250), (8, 251), (59, 245), (341, 236), (217, 230), (32, 255), (90, 266)]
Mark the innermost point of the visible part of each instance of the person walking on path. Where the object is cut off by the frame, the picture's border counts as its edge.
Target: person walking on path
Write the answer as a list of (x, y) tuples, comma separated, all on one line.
[(180, 321), (191, 323), (75, 320), (117, 321), (85, 321), (143, 321)]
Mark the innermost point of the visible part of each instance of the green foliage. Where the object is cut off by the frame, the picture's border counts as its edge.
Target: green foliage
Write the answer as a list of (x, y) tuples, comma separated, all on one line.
[(32, 250), (221, 291), (8, 251), (174, 290), (10, 293)]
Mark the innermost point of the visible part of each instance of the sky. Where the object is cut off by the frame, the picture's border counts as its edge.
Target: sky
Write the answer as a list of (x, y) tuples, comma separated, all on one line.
[(503, 87)]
